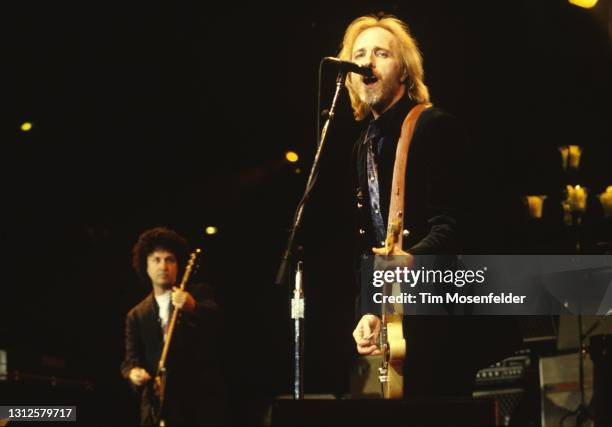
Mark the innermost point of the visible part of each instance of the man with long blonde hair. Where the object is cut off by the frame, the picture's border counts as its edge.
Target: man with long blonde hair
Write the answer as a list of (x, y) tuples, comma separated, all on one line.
[(405, 53), (432, 185)]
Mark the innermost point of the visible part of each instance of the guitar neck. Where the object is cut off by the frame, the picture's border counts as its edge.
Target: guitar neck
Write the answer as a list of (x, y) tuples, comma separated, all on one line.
[(175, 313)]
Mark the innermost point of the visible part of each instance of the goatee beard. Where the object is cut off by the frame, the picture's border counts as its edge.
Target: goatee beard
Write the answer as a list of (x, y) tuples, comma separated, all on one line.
[(372, 98), (375, 101)]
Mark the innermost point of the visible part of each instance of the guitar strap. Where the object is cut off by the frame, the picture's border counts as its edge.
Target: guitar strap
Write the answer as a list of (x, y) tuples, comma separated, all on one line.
[(396, 204)]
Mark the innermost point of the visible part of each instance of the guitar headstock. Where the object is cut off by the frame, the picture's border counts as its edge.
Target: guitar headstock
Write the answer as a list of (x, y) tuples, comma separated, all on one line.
[(196, 261), (191, 260), (393, 233), (190, 264)]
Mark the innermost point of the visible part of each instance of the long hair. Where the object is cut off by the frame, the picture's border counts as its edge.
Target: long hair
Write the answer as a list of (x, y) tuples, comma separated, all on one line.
[(158, 238), (406, 47)]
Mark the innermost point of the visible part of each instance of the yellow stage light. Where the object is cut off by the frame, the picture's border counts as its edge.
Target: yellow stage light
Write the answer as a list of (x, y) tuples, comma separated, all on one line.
[(210, 230), (587, 4), (291, 156), (26, 126)]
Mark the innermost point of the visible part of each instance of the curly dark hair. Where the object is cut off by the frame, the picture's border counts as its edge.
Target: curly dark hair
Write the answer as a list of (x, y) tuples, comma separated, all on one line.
[(155, 238)]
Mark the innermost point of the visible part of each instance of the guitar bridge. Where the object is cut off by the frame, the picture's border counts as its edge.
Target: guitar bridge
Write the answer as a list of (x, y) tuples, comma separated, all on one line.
[(383, 377)]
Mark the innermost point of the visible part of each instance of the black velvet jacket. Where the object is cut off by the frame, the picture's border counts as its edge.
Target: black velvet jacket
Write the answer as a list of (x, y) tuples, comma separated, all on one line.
[(193, 371), (433, 180), (434, 192)]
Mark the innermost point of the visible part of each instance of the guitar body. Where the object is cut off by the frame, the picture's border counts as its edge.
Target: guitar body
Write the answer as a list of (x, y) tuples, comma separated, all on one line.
[(159, 387), (393, 344), (395, 355), (157, 393)]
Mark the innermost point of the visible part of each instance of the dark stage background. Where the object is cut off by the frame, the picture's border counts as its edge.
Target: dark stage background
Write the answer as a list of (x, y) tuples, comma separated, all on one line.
[(180, 115)]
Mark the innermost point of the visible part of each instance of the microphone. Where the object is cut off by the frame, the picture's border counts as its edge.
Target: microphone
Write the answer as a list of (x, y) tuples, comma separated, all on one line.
[(351, 66)]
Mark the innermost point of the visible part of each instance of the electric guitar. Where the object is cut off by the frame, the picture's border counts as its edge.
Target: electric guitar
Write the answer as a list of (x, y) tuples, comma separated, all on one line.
[(159, 382), (392, 342)]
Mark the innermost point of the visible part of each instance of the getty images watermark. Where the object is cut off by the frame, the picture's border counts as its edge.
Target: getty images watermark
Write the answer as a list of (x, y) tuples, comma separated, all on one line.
[(411, 277), (487, 284)]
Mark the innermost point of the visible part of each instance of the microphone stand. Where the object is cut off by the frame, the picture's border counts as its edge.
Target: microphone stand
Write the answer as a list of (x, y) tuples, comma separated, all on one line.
[(297, 314), (582, 412), (297, 303)]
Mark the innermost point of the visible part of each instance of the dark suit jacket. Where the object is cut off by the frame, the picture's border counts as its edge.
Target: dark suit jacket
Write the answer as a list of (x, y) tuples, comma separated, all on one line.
[(443, 352), (193, 365), (433, 180)]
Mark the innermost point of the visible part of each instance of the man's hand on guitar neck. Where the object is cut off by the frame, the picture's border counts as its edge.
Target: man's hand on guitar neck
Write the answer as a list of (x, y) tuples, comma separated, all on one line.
[(366, 335), (183, 300), (139, 376), (368, 329), (395, 252), (399, 258)]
